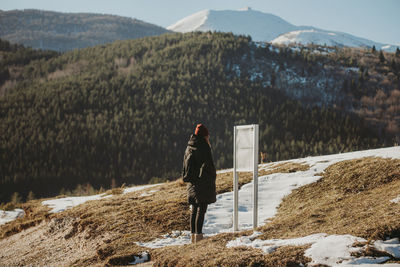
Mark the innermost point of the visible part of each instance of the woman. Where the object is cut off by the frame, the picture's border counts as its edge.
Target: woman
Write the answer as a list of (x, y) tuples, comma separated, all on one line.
[(199, 172)]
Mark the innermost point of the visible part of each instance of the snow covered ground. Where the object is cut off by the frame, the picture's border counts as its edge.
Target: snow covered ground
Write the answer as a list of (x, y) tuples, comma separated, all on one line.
[(141, 259), (396, 200), (272, 189), (8, 216), (332, 250), (61, 204)]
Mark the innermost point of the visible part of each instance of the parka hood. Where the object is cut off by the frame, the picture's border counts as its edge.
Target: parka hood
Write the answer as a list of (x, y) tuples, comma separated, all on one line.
[(196, 141)]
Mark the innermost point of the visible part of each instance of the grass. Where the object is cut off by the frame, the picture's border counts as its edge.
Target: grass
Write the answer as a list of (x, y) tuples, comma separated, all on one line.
[(352, 197), (213, 252), (35, 213), (8, 206)]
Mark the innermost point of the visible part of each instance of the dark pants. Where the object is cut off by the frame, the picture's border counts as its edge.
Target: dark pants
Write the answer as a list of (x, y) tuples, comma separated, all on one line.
[(197, 217)]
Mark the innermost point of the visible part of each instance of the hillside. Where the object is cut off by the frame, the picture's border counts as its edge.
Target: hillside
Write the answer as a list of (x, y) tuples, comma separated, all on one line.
[(14, 58), (97, 117), (332, 210), (67, 31), (265, 27)]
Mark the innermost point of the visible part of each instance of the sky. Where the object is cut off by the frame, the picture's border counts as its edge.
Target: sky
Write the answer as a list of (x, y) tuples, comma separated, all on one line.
[(377, 20)]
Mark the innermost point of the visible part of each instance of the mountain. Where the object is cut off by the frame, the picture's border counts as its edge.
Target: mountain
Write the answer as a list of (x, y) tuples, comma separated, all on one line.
[(260, 26), (97, 116), (329, 38), (67, 31), (265, 27)]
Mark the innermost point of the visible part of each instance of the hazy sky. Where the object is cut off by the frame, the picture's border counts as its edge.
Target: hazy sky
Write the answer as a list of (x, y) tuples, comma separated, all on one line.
[(377, 20)]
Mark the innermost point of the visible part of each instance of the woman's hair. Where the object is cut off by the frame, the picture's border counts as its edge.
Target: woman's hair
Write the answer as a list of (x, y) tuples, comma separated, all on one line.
[(201, 130)]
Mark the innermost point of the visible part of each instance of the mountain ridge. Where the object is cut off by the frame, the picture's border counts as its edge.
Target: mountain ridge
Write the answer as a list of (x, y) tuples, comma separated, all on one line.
[(266, 27), (221, 20), (59, 31)]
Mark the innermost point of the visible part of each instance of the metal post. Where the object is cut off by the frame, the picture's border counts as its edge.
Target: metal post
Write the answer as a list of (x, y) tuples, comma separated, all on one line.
[(255, 176), (235, 186)]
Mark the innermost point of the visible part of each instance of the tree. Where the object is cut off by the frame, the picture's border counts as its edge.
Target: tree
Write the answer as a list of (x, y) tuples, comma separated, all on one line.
[(381, 56), (31, 196), (373, 50), (4, 75), (16, 198), (397, 52), (393, 65)]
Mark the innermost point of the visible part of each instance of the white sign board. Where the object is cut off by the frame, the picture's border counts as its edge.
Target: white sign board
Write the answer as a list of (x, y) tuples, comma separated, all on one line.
[(245, 159), (244, 148)]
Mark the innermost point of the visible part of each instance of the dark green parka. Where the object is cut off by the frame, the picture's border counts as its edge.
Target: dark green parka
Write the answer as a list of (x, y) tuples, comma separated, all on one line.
[(199, 171)]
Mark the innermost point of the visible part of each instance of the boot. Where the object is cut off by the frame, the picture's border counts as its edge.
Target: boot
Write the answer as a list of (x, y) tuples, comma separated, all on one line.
[(198, 237), (193, 238)]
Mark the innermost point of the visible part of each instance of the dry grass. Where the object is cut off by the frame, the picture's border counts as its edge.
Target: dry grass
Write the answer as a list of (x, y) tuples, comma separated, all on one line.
[(129, 218), (352, 197), (213, 252), (35, 213)]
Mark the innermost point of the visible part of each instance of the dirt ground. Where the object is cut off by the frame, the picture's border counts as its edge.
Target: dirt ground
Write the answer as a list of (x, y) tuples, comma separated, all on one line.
[(49, 244)]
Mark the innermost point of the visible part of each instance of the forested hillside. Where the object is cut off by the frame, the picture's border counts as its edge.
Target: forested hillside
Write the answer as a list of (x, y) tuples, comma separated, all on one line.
[(13, 58), (123, 112), (67, 31), (365, 82)]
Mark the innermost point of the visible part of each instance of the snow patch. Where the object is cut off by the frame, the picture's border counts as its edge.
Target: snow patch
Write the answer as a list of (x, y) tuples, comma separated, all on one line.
[(224, 171), (141, 259), (256, 75), (391, 246), (396, 200), (269, 246), (61, 204), (8, 216), (137, 188), (236, 69), (331, 250), (149, 193), (176, 238)]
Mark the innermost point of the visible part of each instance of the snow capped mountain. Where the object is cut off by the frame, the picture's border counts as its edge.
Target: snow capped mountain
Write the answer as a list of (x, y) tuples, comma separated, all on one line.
[(330, 38), (260, 26), (264, 27)]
